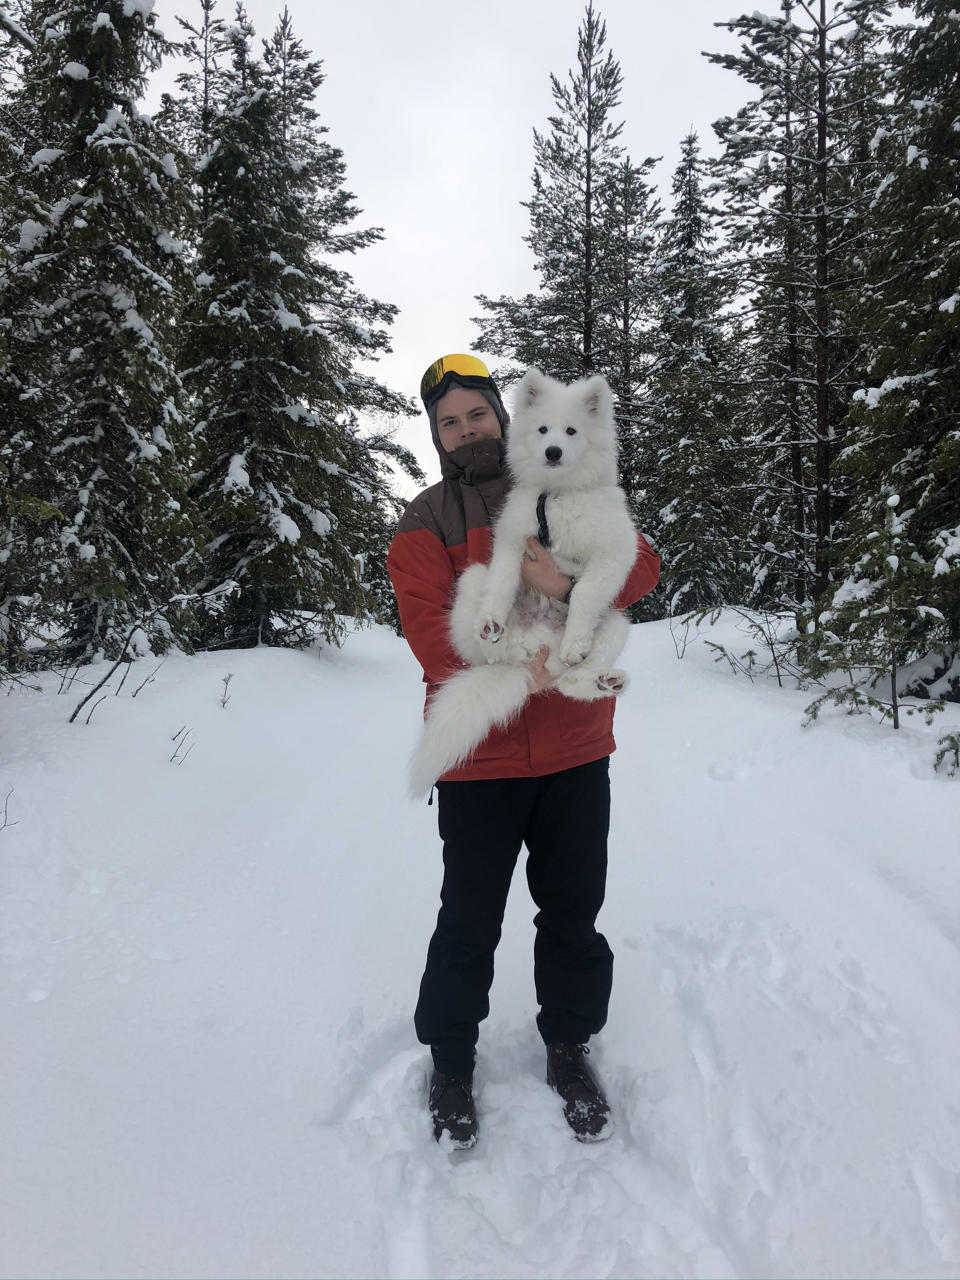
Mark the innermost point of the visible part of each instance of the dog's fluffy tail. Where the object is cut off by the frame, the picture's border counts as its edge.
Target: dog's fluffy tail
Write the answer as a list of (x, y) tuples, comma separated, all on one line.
[(462, 712)]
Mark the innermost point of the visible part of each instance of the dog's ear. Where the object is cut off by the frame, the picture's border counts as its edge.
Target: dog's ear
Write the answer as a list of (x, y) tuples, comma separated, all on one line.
[(531, 388), (597, 396)]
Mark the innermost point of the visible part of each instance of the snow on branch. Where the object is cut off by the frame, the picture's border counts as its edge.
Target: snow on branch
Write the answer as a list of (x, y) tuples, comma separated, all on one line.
[(8, 25)]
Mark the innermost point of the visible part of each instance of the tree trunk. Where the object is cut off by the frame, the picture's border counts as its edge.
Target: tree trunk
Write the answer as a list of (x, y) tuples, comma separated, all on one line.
[(822, 318)]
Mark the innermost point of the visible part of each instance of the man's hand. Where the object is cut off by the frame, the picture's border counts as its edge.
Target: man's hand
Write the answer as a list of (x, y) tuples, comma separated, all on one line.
[(540, 573), (542, 679)]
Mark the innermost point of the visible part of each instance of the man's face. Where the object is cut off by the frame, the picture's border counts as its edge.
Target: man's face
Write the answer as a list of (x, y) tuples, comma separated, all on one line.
[(463, 416)]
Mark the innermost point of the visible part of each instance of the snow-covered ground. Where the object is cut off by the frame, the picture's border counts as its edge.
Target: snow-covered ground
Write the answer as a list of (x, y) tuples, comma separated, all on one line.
[(209, 967)]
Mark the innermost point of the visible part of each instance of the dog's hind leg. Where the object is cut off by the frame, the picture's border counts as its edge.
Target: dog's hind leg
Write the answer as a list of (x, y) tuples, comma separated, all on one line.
[(589, 683), (598, 676)]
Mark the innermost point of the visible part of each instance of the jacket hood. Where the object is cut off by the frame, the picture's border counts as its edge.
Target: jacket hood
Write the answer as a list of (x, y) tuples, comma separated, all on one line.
[(471, 463), (481, 460)]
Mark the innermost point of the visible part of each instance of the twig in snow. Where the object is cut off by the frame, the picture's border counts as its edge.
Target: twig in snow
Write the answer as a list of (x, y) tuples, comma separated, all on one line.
[(226, 683), (94, 707), (681, 644), (6, 820), (181, 744), (66, 680), (149, 679)]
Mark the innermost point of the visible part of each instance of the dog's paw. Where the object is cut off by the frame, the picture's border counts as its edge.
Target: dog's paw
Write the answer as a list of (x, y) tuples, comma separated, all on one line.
[(492, 630), (575, 649), (613, 682)]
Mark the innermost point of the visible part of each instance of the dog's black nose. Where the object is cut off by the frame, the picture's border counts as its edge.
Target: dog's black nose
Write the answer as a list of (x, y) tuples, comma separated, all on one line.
[(553, 454)]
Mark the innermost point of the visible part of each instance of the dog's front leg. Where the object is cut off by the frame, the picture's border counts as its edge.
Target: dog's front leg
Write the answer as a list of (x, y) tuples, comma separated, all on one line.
[(503, 573), (590, 599)]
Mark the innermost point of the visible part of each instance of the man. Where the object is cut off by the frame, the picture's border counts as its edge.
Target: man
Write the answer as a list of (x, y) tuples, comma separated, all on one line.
[(542, 782)]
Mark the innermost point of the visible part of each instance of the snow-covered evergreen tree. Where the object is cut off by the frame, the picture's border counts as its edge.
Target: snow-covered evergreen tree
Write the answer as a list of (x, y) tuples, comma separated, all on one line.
[(89, 301), (903, 440), (593, 218), (865, 633), (372, 459), (188, 114), (795, 184), (18, 600), (695, 482), (357, 327), (561, 328), (629, 279), (271, 347)]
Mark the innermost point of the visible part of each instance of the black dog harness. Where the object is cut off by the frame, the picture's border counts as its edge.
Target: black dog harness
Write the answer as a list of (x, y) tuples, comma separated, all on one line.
[(543, 536), (543, 529)]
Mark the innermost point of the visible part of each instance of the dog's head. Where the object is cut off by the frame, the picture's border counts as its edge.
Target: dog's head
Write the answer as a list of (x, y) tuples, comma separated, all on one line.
[(562, 437)]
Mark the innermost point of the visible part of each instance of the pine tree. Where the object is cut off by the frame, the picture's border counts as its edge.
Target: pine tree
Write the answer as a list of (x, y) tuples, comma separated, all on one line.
[(560, 329), (796, 185), (90, 303), (696, 474), (865, 633), (903, 442), (271, 343), (630, 280), (188, 115), (371, 458), (357, 327), (593, 219), (18, 601)]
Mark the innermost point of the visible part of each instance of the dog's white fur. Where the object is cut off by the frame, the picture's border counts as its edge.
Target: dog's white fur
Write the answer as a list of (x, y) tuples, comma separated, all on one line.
[(561, 442)]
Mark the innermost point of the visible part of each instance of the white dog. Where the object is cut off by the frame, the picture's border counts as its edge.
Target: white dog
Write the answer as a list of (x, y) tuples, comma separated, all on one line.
[(562, 457)]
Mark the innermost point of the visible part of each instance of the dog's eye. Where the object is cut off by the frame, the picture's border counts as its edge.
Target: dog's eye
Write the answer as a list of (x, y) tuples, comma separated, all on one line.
[(571, 431), (543, 430)]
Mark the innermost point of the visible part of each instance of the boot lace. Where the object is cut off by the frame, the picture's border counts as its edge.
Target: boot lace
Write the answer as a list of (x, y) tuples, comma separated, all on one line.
[(570, 1066), (453, 1084)]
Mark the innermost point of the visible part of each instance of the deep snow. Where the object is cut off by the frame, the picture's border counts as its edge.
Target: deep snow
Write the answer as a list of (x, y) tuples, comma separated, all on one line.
[(209, 966)]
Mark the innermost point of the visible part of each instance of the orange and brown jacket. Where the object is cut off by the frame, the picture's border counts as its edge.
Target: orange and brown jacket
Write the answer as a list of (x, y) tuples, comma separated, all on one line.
[(446, 528)]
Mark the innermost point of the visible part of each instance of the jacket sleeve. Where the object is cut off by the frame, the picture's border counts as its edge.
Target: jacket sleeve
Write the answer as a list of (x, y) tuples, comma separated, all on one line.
[(422, 574), (644, 575)]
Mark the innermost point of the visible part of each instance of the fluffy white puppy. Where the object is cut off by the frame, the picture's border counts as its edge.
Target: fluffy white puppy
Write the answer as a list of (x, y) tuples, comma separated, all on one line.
[(562, 458)]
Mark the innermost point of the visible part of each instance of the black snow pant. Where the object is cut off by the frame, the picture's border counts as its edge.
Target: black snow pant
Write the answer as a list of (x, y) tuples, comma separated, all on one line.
[(563, 819)]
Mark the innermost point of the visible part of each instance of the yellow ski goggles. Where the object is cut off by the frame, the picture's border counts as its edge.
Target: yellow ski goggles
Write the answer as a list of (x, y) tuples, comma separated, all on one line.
[(465, 370)]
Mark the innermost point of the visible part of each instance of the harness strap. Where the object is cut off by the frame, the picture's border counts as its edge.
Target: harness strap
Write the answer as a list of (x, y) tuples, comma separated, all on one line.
[(543, 529)]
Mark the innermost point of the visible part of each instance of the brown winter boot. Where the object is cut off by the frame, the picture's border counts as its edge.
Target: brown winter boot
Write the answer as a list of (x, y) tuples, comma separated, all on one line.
[(584, 1106)]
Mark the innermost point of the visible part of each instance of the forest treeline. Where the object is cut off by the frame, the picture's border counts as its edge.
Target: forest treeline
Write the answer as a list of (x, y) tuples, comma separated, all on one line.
[(181, 354), (186, 452)]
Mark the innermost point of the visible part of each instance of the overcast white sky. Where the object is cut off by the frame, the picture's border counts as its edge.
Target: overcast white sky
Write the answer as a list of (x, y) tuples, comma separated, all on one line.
[(434, 107)]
